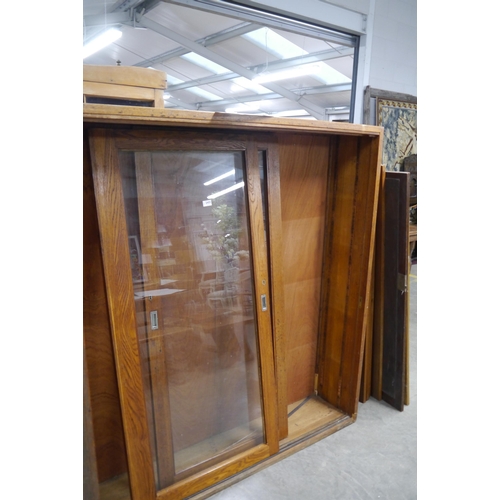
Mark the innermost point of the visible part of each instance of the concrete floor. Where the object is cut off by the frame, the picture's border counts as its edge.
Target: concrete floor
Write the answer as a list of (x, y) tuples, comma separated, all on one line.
[(375, 458)]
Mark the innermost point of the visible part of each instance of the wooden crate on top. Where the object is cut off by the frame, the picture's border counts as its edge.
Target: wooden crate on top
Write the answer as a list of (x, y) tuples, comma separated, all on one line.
[(123, 85)]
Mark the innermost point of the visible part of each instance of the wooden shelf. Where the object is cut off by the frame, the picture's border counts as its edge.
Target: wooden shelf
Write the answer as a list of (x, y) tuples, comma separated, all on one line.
[(308, 416)]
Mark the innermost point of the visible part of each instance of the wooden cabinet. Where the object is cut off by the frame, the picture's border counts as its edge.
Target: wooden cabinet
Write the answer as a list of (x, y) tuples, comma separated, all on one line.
[(227, 273)]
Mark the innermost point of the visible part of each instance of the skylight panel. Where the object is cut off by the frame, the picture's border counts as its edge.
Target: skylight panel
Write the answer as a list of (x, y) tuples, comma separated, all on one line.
[(277, 45), (205, 63), (282, 48), (242, 83), (195, 90)]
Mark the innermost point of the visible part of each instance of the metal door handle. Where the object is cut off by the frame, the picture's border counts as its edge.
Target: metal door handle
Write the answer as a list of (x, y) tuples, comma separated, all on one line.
[(263, 302), (153, 315)]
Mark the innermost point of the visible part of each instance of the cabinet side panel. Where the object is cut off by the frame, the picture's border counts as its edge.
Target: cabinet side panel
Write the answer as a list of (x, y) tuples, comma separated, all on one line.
[(347, 272), (107, 419), (336, 270), (363, 230), (304, 168)]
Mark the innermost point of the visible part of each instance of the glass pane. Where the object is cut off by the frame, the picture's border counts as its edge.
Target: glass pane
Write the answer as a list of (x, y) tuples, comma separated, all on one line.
[(191, 267)]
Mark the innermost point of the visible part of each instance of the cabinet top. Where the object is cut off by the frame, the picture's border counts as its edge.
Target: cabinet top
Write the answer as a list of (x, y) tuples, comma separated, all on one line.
[(130, 115)]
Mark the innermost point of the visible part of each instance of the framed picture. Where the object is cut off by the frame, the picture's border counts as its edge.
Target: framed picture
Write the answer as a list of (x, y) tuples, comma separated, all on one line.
[(397, 113)]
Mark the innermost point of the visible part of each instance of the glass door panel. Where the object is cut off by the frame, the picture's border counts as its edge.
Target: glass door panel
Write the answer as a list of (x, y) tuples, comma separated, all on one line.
[(191, 263)]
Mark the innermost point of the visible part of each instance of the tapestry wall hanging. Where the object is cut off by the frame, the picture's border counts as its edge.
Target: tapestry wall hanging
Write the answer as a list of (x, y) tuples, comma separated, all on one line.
[(399, 119), (397, 113)]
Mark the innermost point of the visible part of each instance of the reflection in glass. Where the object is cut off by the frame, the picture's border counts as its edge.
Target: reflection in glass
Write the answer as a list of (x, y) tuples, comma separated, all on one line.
[(191, 268)]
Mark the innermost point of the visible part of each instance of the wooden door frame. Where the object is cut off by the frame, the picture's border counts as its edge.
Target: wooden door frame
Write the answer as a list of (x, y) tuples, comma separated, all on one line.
[(105, 146)]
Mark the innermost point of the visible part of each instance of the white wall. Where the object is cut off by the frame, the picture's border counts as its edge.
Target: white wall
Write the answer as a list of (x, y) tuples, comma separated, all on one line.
[(393, 62)]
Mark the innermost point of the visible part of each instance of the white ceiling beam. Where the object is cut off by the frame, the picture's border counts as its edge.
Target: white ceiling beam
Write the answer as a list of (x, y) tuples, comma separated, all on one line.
[(221, 36), (322, 89), (313, 109), (272, 66)]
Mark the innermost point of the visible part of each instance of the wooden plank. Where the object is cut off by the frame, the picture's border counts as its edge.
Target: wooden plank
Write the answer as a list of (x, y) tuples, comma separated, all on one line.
[(118, 92), (361, 260), (103, 387), (125, 75), (158, 100), (378, 306), (110, 207), (277, 280), (157, 349), (98, 113), (338, 241), (347, 278), (396, 276)]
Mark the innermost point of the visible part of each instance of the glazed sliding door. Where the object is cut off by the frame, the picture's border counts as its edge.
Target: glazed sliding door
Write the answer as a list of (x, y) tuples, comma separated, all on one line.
[(185, 260)]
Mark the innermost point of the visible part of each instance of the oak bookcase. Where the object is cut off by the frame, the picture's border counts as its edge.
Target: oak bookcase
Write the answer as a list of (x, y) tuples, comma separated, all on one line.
[(222, 332)]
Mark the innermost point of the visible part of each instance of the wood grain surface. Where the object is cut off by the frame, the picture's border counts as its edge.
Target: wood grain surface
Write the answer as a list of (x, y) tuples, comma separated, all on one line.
[(396, 245), (303, 167), (125, 75), (272, 177), (99, 113), (347, 272), (316, 273), (113, 230), (103, 387), (262, 287)]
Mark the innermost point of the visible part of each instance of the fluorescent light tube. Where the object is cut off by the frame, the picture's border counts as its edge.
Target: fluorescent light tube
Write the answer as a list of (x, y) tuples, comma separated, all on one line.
[(216, 179), (225, 191), (101, 41), (308, 69)]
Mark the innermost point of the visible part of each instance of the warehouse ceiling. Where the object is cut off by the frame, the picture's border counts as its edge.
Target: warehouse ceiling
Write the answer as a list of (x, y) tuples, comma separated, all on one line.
[(219, 56)]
